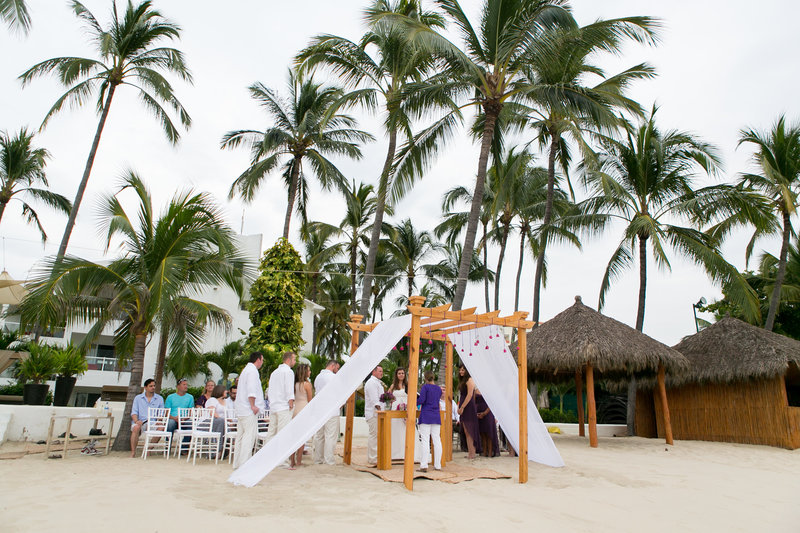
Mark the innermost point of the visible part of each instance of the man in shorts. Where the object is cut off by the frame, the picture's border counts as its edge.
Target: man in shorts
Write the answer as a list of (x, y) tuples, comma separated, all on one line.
[(139, 411)]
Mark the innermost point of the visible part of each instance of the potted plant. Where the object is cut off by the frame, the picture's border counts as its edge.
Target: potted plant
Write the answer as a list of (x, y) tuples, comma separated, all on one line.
[(70, 363), (37, 368)]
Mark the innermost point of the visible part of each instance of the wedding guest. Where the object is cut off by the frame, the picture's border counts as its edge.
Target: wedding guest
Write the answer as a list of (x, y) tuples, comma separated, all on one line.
[(219, 404), (140, 410), (178, 400), (281, 397), (466, 410), (247, 409), (328, 434), (373, 389), (201, 400), (487, 427), (302, 395), (430, 423)]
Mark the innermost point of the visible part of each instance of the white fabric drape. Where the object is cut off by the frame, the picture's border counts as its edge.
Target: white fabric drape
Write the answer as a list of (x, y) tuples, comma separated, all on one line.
[(323, 406), (485, 353)]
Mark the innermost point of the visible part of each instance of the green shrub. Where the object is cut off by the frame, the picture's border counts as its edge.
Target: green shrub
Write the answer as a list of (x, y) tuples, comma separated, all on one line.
[(556, 416), (12, 389), (70, 361), (39, 366)]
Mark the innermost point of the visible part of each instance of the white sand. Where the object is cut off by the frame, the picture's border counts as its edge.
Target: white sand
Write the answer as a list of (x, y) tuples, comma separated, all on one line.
[(628, 484)]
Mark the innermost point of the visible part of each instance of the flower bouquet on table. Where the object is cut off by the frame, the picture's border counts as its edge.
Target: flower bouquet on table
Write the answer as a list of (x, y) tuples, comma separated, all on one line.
[(387, 398)]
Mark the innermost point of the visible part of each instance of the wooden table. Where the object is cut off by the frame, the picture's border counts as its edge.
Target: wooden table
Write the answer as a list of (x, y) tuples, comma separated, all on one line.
[(385, 436), (68, 439)]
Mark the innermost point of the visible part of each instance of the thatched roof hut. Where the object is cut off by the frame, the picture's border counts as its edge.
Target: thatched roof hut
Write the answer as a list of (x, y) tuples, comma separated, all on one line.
[(579, 335), (732, 350), (742, 386), (580, 342)]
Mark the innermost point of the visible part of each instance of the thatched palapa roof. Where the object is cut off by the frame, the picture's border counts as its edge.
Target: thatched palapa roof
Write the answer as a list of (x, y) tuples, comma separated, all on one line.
[(579, 334), (732, 350)]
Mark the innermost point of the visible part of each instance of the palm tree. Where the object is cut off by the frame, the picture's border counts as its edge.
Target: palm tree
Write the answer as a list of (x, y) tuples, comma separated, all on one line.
[(488, 73), (442, 275), (454, 223), (380, 83), (778, 156), (165, 259), (15, 14), (318, 256), (410, 248), (333, 334), (563, 105), (646, 182), (21, 168), (130, 54), (359, 209), (307, 127)]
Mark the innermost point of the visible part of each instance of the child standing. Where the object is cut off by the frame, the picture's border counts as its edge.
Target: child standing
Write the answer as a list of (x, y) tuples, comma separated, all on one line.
[(430, 423)]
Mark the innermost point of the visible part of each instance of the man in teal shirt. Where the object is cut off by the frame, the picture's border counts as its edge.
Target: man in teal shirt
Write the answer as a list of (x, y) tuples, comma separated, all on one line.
[(176, 400)]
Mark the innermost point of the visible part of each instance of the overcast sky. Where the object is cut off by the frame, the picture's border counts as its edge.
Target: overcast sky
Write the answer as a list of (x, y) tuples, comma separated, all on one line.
[(722, 66)]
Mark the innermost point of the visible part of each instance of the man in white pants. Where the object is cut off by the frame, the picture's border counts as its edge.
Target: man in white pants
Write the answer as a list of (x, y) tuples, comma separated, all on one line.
[(281, 397), (373, 389), (325, 439), (249, 397)]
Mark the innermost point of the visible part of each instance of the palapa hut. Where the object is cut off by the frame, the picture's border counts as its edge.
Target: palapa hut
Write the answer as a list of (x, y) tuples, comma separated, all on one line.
[(580, 343), (742, 386)]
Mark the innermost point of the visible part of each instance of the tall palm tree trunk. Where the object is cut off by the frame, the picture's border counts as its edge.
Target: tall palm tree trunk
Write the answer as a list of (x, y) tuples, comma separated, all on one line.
[(485, 270), (161, 358), (631, 411), (292, 195), (2, 209), (548, 214), (353, 257), (380, 206), (73, 215), (776, 290), (491, 110), (123, 439), (500, 258), (519, 268)]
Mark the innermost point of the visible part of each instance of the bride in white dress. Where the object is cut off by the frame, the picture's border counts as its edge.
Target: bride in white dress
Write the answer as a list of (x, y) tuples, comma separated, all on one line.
[(399, 390)]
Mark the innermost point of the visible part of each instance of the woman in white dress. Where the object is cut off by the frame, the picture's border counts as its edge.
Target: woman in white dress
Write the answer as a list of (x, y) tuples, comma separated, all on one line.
[(399, 390)]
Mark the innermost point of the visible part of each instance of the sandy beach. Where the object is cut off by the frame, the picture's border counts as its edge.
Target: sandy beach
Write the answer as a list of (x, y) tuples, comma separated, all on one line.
[(627, 484)]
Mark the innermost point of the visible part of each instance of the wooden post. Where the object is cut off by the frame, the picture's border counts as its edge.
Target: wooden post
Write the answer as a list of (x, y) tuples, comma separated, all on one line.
[(447, 423), (384, 440), (592, 406), (350, 411), (522, 372), (579, 397), (411, 408), (662, 391)]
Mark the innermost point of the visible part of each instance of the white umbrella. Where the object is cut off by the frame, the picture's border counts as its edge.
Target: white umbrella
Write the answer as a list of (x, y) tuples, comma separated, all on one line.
[(11, 290)]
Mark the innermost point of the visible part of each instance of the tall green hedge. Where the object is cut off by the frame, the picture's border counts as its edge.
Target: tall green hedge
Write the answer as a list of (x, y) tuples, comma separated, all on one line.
[(276, 305)]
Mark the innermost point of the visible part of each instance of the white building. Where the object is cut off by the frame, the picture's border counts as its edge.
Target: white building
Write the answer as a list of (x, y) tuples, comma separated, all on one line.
[(102, 359)]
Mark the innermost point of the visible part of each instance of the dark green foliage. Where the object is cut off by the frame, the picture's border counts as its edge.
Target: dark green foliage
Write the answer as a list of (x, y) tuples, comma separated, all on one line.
[(70, 361), (194, 392), (276, 305), (39, 366), (12, 389), (7, 338), (556, 416)]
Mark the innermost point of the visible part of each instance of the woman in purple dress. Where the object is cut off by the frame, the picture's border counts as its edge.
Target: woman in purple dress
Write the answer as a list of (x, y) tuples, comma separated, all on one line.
[(430, 423), (487, 426), (467, 410)]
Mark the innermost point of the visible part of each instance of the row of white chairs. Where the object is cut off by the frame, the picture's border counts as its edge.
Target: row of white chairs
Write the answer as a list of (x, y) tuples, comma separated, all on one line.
[(197, 425)]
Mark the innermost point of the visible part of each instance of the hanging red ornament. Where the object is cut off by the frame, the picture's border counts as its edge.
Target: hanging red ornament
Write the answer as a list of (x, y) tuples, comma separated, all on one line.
[(430, 341)]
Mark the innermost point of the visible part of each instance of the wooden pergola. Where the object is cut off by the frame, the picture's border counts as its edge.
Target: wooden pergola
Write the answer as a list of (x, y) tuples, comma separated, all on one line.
[(436, 323)]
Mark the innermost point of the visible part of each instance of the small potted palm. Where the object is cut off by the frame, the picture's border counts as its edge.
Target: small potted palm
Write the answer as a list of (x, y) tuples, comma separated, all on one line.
[(70, 363), (34, 370)]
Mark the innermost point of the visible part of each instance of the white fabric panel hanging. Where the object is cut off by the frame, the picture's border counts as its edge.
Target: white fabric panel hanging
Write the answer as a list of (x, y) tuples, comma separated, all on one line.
[(485, 353), (326, 404)]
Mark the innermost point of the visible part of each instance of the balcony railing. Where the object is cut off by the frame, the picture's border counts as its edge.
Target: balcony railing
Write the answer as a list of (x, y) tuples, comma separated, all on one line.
[(106, 364)]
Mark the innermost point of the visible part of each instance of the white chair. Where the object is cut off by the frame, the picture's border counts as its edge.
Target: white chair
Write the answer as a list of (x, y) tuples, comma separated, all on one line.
[(203, 438), (229, 444), (263, 429), (184, 429), (157, 420)]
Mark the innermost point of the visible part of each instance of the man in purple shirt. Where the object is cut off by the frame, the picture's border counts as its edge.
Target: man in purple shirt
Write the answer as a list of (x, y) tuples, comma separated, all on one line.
[(430, 423)]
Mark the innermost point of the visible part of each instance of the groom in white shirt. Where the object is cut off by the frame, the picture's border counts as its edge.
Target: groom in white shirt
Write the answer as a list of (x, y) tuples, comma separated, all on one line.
[(281, 396), (373, 389)]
